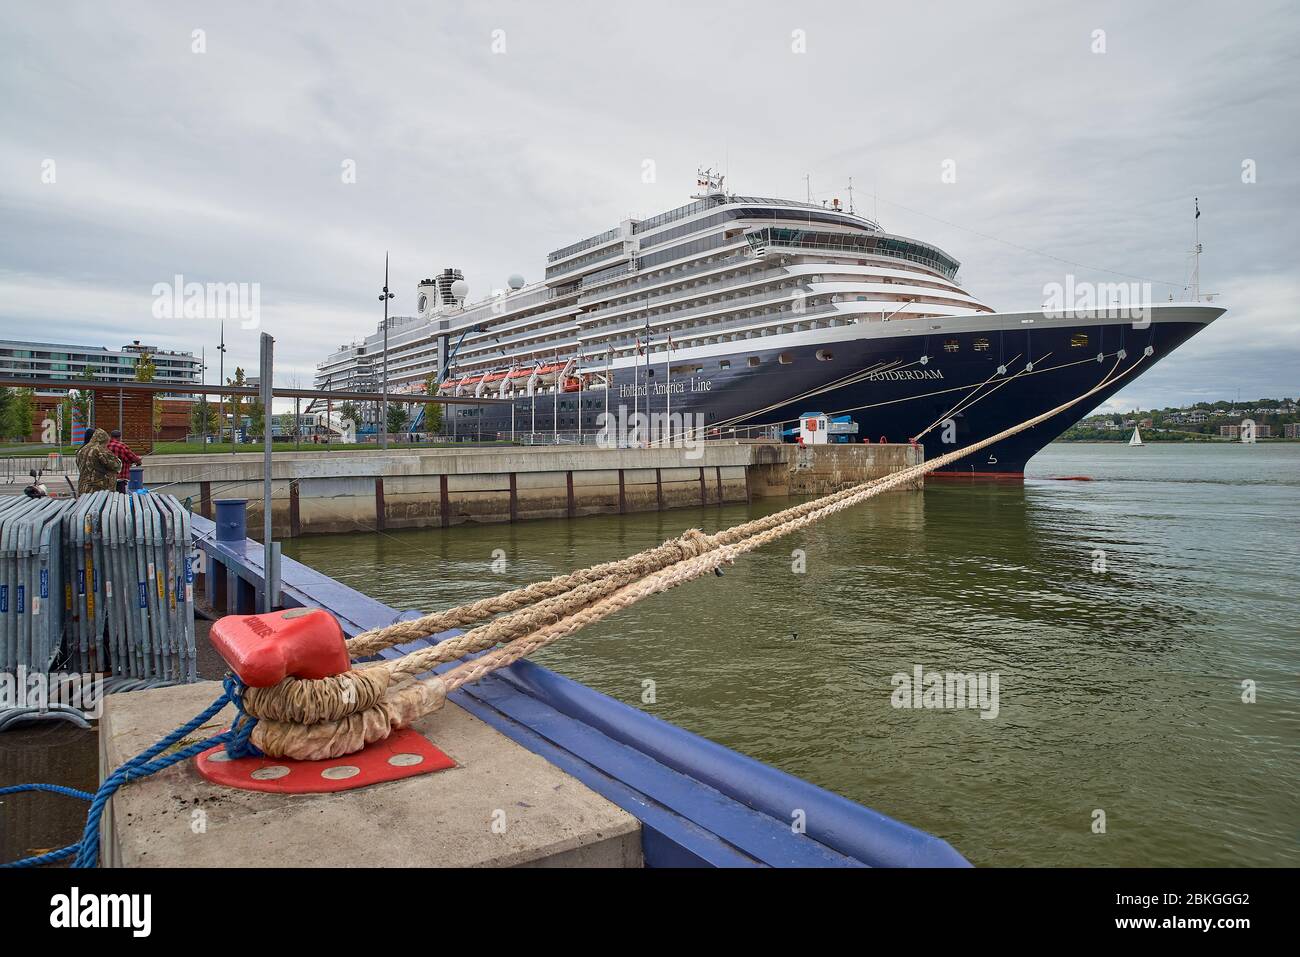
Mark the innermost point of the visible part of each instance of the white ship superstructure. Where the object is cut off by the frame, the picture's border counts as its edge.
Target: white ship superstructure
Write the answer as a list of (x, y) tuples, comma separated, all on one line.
[(739, 309), (718, 271)]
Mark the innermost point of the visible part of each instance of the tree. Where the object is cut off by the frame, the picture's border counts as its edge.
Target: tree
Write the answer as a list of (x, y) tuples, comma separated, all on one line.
[(20, 424), (83, 401), (6, 413), (234, 404), (256, 419), (65, 433), (348, 418), (432, 410), (145, 371), (397, 417), (203, 417)]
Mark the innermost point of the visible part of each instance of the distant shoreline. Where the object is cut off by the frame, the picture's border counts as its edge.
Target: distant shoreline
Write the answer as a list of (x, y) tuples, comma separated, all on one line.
[(1151, 440)]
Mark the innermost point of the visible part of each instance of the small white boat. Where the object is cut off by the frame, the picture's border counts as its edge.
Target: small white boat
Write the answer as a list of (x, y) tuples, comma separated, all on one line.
[(1136, 439)]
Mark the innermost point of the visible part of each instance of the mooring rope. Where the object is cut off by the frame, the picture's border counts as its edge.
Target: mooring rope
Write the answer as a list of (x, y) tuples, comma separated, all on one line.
[(328, 718)]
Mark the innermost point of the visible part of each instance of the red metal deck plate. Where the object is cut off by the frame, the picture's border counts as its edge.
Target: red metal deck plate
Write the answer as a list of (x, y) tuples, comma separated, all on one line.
[(402, 754)]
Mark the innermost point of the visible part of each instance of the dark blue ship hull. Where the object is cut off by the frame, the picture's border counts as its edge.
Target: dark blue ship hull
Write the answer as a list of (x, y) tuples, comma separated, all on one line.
[(753, 387)]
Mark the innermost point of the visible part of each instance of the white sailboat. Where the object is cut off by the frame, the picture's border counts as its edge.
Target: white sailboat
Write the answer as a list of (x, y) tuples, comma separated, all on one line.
[(1136, 439)]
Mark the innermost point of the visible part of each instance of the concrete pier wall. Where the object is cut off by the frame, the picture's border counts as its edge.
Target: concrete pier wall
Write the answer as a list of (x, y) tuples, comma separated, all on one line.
[(343, 491)]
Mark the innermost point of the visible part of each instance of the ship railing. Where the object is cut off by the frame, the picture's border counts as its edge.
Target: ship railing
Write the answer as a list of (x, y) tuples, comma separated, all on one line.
[(748, 279), (590, 282), (677, 316), (684, 338), (775, 245)]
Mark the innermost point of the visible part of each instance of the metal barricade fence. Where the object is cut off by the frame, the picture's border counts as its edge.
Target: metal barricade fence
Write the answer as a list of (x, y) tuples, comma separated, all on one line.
[(100, 583)]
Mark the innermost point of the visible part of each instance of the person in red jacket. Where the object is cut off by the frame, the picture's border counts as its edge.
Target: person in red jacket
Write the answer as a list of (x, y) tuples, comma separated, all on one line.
[(125, 455)]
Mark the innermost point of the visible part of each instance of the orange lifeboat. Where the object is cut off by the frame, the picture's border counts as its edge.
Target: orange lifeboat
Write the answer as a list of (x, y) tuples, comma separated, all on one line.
[(467, 383), (547, 375)]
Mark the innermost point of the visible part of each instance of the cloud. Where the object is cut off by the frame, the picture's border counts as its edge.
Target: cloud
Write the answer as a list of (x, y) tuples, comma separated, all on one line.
[(226, 166)]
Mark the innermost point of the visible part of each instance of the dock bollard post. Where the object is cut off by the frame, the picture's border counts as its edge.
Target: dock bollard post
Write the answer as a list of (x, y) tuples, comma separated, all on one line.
[(232, 520)]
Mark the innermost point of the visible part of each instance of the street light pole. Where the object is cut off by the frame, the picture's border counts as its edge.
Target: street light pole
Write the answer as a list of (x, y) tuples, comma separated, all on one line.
[(221, 380), (383, 410)]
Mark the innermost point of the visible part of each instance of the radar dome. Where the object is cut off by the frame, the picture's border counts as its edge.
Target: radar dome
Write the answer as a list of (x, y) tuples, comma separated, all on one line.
[(460, 289), (515, 281)]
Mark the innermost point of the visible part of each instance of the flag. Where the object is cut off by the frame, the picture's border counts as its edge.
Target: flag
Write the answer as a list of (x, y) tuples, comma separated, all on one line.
[(1197, 201), (639, 350), (671, 347)]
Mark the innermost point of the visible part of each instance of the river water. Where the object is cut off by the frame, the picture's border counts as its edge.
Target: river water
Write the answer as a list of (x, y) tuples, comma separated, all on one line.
[(1125, 619)]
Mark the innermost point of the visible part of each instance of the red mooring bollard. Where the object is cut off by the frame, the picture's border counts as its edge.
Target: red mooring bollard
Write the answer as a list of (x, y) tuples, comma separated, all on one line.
[(263, 650)]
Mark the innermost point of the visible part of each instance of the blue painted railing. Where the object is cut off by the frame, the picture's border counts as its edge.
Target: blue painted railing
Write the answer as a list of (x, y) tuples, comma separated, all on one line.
[(699, 803)]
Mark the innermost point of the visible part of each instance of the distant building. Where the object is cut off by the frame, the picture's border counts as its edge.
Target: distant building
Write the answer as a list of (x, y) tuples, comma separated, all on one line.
[(1291, 430), (1262, 431), (1147, 423), (34, 359), (1196, 417)]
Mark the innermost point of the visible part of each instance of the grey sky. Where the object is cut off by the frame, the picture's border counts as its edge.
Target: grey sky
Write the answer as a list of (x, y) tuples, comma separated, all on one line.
[(226, 166)]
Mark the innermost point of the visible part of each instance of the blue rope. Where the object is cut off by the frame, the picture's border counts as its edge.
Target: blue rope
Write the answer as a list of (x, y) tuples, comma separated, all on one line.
[(49, 857), (147, 762), (240, 744), (52, 788)]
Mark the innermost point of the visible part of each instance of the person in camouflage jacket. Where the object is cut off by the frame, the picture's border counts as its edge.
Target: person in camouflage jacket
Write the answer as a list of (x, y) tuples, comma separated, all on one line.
[(98, 467)]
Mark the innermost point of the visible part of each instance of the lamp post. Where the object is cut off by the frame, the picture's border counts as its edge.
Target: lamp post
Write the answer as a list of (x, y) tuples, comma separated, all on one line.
[(221, 380), (383, 388)]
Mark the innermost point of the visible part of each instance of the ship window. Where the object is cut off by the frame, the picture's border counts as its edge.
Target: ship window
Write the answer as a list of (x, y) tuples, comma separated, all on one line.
[(687, 370), (752, 362), (724, 364), (824, 355), (981, 345), (1078, 340), (951, 345), (785, 358)]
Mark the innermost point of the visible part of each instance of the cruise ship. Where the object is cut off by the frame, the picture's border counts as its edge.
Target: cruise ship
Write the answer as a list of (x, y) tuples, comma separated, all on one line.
[(739, 314)]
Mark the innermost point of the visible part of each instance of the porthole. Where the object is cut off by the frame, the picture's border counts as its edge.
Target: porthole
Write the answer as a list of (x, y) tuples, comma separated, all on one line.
[(824, 355), (1079, 340), (752, 362), (785, 358)]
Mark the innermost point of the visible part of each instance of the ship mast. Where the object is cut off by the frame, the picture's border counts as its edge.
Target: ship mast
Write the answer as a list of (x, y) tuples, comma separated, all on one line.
[(1196, 252)]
